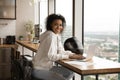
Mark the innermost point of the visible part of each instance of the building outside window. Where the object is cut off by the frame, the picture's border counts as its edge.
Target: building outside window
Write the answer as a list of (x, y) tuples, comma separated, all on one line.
[(101, 26)]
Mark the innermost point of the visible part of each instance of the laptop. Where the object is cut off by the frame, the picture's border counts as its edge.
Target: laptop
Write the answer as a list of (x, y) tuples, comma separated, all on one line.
[(89, 53)]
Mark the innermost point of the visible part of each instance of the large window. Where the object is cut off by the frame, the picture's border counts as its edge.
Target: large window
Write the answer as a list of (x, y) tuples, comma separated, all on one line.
[(65, 8), (101, 26)]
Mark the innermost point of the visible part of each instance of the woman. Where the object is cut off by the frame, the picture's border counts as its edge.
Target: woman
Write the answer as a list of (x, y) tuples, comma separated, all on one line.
[(51, 48)]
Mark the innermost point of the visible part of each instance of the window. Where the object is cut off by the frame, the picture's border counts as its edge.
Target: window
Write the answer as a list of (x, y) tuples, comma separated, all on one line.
[(43, 13), (67, 12), (101, 26)]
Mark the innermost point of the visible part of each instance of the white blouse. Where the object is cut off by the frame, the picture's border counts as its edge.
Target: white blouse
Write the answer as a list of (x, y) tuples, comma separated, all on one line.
[(50, 50)]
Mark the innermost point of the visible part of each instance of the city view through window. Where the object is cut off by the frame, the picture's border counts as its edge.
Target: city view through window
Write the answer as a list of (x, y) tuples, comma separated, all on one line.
[(101, 27)]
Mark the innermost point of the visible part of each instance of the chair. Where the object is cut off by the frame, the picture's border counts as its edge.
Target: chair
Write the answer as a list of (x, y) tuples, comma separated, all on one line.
[(38, 74)]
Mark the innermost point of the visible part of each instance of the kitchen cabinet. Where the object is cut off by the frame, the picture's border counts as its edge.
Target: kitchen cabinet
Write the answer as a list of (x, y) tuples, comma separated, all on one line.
[(6, 51), (8, 9)]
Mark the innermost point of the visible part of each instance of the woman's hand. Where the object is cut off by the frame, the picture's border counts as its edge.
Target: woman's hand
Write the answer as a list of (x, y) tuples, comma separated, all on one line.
[(76, 56)]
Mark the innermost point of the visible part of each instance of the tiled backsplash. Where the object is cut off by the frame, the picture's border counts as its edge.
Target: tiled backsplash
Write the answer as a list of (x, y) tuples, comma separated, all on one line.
[(7, 27)]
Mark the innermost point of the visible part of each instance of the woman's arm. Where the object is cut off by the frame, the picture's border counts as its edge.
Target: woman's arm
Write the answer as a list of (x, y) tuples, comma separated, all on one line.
[(53, 51)]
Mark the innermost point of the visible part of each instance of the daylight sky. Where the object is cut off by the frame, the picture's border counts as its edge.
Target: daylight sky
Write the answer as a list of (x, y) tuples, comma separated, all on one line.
[(101, 15)]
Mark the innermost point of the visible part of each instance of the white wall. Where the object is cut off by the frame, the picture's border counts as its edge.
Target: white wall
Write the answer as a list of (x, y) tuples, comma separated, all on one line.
[(25, 12), (7, 27)]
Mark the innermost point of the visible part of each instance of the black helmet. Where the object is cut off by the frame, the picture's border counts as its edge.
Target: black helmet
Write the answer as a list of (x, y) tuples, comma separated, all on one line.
[(74, 45)]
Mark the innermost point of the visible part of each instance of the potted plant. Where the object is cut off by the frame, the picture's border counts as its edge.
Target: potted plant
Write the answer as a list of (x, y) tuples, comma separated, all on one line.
[(30, 30), (21, 37)]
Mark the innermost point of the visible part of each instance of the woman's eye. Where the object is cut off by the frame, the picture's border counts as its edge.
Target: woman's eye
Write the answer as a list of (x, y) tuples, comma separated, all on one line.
[(60, 24)]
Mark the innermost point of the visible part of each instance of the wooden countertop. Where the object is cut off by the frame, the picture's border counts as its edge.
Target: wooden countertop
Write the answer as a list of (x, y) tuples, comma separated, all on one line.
[(8, 45), (32, 46)]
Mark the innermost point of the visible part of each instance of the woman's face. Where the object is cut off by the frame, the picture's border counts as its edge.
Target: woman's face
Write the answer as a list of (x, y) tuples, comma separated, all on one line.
[(57, 26)]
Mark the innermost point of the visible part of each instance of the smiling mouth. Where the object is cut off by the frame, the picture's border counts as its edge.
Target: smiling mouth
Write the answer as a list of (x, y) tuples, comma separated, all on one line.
[(58, 30)]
